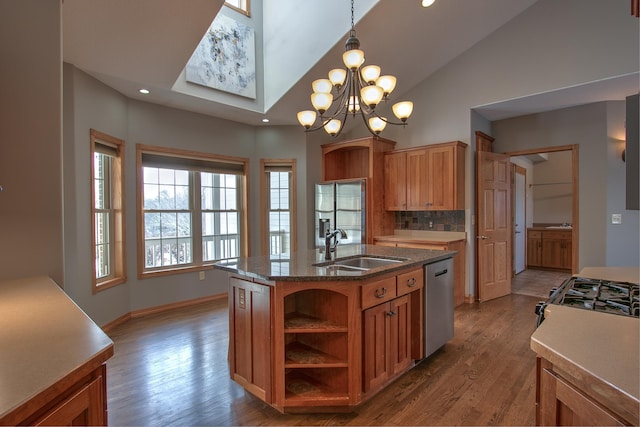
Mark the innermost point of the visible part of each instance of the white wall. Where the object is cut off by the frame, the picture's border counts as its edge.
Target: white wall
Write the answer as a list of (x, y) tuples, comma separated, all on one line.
[(30, 155), (552, 189)]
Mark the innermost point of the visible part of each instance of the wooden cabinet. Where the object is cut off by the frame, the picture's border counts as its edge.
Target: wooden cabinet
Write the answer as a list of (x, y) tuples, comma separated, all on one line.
[(362, 158), (433, 178), (459, 260), (549, 249), (534, 248), (84, 406), (561, 403), (387, 342), (395, 182), (304, 346), (316, 348), (250, 336)]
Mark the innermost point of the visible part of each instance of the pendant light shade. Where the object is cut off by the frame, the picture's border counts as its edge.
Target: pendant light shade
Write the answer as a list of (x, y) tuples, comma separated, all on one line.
[(370, 73), (403, 110), (321, 101), (322, 86), (307, 118)]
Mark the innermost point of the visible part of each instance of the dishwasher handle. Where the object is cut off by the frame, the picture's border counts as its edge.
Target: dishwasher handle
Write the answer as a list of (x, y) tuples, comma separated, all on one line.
[(440, 273)]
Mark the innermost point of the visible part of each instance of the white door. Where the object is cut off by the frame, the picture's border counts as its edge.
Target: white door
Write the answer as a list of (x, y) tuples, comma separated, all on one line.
[(519, 221)]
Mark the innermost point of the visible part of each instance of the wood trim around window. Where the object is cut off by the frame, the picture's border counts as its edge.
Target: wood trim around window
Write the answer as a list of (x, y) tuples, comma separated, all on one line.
[(264, 240), (174, 152), (117, 187), (246, 12)]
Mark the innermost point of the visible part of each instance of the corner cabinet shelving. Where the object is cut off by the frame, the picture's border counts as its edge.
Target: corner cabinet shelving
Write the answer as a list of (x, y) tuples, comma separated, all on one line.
[(362, 158), (316, 337)]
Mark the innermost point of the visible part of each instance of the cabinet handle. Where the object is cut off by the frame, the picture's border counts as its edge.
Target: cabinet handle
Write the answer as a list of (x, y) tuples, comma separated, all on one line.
[(381, 295), (391, 313), (411, 282)]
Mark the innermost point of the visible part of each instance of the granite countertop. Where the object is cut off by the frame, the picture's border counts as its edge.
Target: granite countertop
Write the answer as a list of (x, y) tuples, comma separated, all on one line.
[(423, 236), (299, 266), (603, 345), (44, 336)]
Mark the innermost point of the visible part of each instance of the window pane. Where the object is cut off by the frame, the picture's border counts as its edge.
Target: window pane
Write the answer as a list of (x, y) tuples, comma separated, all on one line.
[(184, 225), (151, 197), (151, 225), (279, 216), (167, 197), (166, 176)]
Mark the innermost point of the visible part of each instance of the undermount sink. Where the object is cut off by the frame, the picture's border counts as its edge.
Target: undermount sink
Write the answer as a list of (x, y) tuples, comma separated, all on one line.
[(360, 263)]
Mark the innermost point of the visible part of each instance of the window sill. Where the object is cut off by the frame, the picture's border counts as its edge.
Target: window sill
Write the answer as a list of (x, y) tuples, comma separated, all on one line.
[(107, 284), (174, 270)]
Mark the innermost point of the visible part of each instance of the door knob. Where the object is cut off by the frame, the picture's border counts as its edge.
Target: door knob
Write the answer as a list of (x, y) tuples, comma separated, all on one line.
[(482, 237)]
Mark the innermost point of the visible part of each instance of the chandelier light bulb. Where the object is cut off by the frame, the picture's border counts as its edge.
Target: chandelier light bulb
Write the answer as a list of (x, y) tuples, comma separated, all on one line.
[(377, 124), (321, 86), (307, 118), (353, 59), (353, 105), (387, 83), (337, 76), (370, 73), (371, 95), (332, 126), (321, 101), (403, 110)]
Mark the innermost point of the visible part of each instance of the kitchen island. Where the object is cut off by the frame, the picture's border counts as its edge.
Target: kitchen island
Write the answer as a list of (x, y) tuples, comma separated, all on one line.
[(311, 335), (53, 358), (588, 364)]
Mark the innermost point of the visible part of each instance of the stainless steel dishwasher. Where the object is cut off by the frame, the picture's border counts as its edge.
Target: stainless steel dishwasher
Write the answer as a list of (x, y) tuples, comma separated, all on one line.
[(438, 305)]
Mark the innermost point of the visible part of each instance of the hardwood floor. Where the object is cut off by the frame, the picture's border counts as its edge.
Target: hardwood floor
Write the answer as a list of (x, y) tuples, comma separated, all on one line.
[(171, 369)]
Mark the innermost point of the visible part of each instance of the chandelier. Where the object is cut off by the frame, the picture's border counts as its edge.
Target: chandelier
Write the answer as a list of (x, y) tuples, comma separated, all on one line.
[(351, 91)]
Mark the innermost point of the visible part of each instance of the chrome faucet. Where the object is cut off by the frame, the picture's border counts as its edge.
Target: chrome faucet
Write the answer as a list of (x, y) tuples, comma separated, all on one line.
[(327, 241)]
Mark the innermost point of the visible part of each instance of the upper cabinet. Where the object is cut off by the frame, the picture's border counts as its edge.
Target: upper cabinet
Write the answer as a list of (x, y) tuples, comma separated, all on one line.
[(362, 158), (425, 178), (357, 158)]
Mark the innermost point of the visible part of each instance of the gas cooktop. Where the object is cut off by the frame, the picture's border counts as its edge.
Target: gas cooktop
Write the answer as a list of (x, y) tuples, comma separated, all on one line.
[(621, 298)]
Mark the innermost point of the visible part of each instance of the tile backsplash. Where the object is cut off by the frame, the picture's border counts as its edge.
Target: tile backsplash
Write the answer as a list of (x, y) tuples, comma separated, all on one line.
[(430, 220)]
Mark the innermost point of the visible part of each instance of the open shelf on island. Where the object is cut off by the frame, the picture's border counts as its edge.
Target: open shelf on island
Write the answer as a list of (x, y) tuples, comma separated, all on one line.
[(299, 355), (299, 322), (305, 385)]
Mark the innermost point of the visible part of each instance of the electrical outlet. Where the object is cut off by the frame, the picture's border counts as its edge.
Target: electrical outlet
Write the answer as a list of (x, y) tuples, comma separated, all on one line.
[(616, 218), (201, 276)]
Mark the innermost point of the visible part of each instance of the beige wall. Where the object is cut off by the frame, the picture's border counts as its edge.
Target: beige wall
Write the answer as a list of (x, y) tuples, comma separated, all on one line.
[(30, 156)]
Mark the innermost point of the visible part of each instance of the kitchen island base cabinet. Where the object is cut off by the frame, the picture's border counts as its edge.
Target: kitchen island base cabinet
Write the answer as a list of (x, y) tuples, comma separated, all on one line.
[(561, 403), (387, 342), (324, 345), (250, 336)]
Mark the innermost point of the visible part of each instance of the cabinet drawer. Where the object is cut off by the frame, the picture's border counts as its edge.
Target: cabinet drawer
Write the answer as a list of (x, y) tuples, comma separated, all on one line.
[(378, 292), (534, 234), (411, 281), (557, 235)]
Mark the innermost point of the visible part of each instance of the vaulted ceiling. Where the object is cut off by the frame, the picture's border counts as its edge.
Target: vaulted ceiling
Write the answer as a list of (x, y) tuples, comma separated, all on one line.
[(147, 43)]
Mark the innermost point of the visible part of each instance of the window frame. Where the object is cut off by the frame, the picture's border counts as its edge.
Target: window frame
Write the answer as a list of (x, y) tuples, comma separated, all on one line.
[(245, 7), (117, 251), (179, 155), (265, 164)]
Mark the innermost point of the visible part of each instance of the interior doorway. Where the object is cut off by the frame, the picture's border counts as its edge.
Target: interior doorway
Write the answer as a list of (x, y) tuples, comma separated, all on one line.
[(561, 194)]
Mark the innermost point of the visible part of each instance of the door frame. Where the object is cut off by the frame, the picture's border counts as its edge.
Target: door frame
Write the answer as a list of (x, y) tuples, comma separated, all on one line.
[(574, 186), (515, 171)]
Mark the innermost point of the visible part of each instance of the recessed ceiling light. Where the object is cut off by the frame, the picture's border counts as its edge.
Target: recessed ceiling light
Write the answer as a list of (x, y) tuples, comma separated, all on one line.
[(427, 3), (265, 120), (144, 91)]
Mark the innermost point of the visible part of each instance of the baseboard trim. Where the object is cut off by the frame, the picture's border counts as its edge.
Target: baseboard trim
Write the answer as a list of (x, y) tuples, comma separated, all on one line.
[(160, 309)]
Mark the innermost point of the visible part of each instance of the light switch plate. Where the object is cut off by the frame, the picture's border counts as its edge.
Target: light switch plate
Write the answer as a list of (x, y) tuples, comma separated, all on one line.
[(616, 218)]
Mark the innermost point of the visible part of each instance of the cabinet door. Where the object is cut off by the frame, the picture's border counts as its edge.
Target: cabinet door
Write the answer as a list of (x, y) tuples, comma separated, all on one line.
[(376, 363), (250, 337), (395, 181), (400, 334), (561, 404), (534, 249), (83, 408), (441, 180), (418, 180), (566, 255)]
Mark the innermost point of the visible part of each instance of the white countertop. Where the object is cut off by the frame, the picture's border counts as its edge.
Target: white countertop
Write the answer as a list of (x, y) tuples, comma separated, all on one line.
[(44, 336), (603, 345)]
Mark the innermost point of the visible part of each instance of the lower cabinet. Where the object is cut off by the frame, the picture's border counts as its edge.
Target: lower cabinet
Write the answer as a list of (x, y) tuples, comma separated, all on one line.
[(250, 336), (551, 249), (561, 403), (387, 342)]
